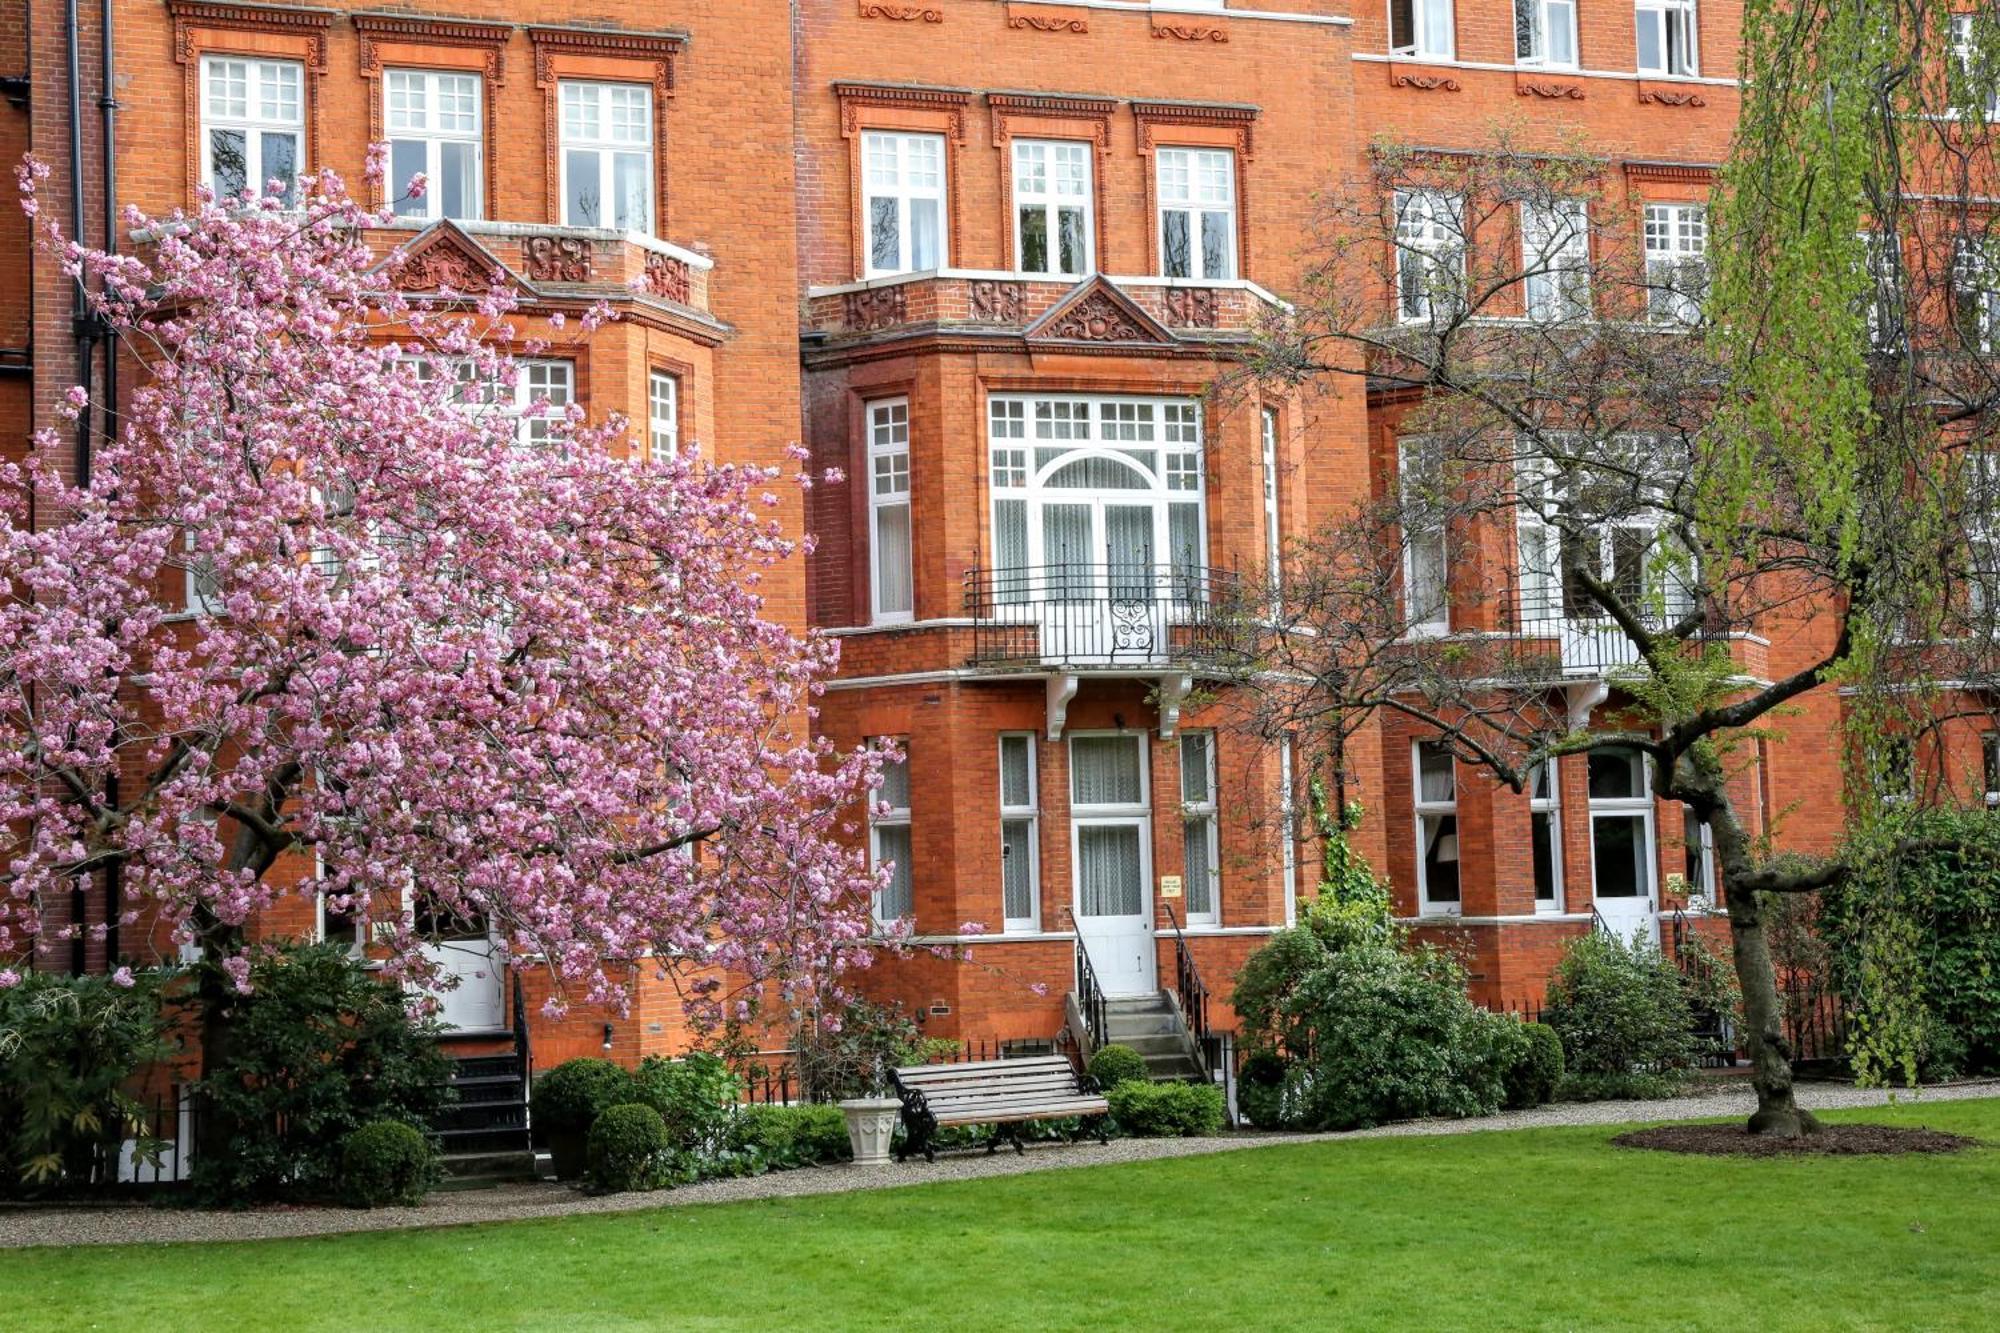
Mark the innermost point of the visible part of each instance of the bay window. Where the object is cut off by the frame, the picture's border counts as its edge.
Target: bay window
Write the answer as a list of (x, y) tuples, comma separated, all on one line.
[(253, 125), (607, 155), (889, 547), (1435, 780), (904, 202), (1052, 205), (1197, 192), (1426, 568), (434, 123)]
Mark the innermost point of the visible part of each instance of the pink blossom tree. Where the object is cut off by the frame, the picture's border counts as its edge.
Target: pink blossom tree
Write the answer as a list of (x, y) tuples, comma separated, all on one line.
[(323, 603)]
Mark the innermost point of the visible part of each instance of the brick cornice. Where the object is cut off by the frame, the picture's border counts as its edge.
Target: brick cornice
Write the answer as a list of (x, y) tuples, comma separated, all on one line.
[(1078, 105), (260, 18), (1699, 173), (660, 47), (422, 29), (917, 96), (1239, 117)]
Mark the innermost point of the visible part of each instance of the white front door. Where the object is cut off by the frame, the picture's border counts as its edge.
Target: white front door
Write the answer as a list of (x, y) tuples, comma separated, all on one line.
[(1111, 852), (1622, 854), (470, 993)]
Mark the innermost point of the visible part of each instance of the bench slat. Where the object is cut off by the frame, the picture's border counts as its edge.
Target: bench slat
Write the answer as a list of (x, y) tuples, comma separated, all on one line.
[(1060, 1111), (973, 1067)]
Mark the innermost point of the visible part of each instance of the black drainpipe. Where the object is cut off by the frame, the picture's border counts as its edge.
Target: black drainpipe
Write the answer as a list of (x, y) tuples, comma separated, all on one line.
[(82, 325), (107, 103)]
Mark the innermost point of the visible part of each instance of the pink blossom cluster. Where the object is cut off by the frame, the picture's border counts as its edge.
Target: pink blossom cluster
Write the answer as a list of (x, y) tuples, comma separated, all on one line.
[(530, 683)]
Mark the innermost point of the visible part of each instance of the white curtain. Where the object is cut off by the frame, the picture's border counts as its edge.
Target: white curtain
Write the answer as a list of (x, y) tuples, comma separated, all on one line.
[(892, 558), (895, 789), (1016, 785), (1104, 770), (1109, 870), (1017, 868), (1200, 867), (1436, 785), (892, 843)]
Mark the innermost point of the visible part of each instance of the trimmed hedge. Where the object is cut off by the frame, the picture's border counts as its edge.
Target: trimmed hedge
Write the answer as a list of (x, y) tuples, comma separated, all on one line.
[(1260, 1090), (778, 1138), (1117, 1064), (569, 1098), (1166, 1110), (386, 1162), (628, 1149), (695, 1095), (1622, 1013)]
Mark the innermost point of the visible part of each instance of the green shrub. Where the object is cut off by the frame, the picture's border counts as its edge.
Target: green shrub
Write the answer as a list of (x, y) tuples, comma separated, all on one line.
[(1260, 1090), (69, 1046), (1914, 947), (569, 1098), (1118, 1064), (781, 1137), (1536, 1070), (1391, 1036), (1622, 1014), (318, 1048), (1166, 1110), (628, 1149), (695, 1097), (386, 1162), (1577, 1087), (1267, 982)]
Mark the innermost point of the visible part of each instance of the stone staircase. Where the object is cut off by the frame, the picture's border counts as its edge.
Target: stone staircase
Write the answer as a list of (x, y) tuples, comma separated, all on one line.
[(485, 1134), (1151, 1025)]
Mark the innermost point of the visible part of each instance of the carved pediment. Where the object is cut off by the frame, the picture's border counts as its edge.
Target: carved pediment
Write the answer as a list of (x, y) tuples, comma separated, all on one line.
[(444, 259), (1097, 312)]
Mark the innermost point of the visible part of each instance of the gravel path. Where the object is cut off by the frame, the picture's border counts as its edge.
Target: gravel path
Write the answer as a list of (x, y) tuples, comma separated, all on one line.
[(138, 1224)]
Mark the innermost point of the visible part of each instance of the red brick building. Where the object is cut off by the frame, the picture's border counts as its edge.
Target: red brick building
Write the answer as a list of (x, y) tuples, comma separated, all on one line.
[(995, 260)]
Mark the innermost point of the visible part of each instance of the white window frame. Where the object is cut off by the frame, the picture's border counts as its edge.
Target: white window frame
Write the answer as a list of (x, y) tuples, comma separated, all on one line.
[(434, 137), (1026, 814), (889, 489), (1546, 25), (251, 122), (1545, 594), (1202, 813), (1049, 199), (663, 413), (1627, 807), (897, 179), (1274, 549), (536, 403), (1555, 260), (1288, 828), (1668, 19), (607, 148), (356, 944), (1429, 809), (200, 597), (1196, 197), (1975, 278), (1699, 858), (1549, 806), (1422, 621), (1964, 51), (1882, 263), (1430, 244), (1676, 246), (884, 815), (1989, 758), (1430, 20)]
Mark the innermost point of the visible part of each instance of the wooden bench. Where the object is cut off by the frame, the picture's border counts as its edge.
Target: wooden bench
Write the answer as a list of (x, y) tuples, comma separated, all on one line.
[(1001, 1093)]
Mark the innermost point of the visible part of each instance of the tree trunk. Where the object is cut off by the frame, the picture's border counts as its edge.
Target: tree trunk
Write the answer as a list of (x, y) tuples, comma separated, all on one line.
[(1778, 1113), (1700, 780)]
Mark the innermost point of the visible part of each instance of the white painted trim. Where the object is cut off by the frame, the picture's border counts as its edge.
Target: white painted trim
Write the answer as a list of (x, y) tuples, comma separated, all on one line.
[(1148, 7), (1516, 919), (997, 937), (939, 622), (1629, 76), (905, 678), (481, 228)]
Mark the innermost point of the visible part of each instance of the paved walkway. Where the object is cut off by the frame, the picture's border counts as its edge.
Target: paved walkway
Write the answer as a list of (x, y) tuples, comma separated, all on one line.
[(116, 1225)]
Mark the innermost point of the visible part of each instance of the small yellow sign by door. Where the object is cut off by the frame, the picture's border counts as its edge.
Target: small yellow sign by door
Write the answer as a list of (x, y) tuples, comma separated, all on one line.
[(1170, 886)]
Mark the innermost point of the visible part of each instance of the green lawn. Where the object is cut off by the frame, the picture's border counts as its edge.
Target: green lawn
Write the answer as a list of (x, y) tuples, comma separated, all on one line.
[(1532, 1229)]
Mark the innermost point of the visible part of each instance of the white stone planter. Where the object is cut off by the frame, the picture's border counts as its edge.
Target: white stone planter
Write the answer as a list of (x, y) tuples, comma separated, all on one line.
[(871, 1125)]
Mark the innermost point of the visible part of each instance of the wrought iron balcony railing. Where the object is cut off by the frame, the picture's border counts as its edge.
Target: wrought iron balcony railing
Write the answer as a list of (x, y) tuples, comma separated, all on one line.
[(1138, 615), (1570, 635)]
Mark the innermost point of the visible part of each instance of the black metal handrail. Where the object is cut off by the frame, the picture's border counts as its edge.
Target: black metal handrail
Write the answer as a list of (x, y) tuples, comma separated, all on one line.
[(522, 1050), (1191, 992), (1139, 613), (1090, 999)]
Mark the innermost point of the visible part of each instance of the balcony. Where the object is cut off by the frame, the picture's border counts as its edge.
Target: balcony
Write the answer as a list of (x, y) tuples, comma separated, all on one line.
[(979, 307), (1105, 619)]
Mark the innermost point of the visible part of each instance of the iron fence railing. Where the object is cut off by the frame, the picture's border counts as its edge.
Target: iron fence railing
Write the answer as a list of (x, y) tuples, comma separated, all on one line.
[(1109, 615)]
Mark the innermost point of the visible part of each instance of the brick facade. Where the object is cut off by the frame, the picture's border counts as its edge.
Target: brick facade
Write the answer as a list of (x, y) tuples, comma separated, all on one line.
[(760, 122)]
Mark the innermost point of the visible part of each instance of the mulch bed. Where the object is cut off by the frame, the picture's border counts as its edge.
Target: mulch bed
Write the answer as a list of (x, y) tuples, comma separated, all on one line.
[(1831, 1141)]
